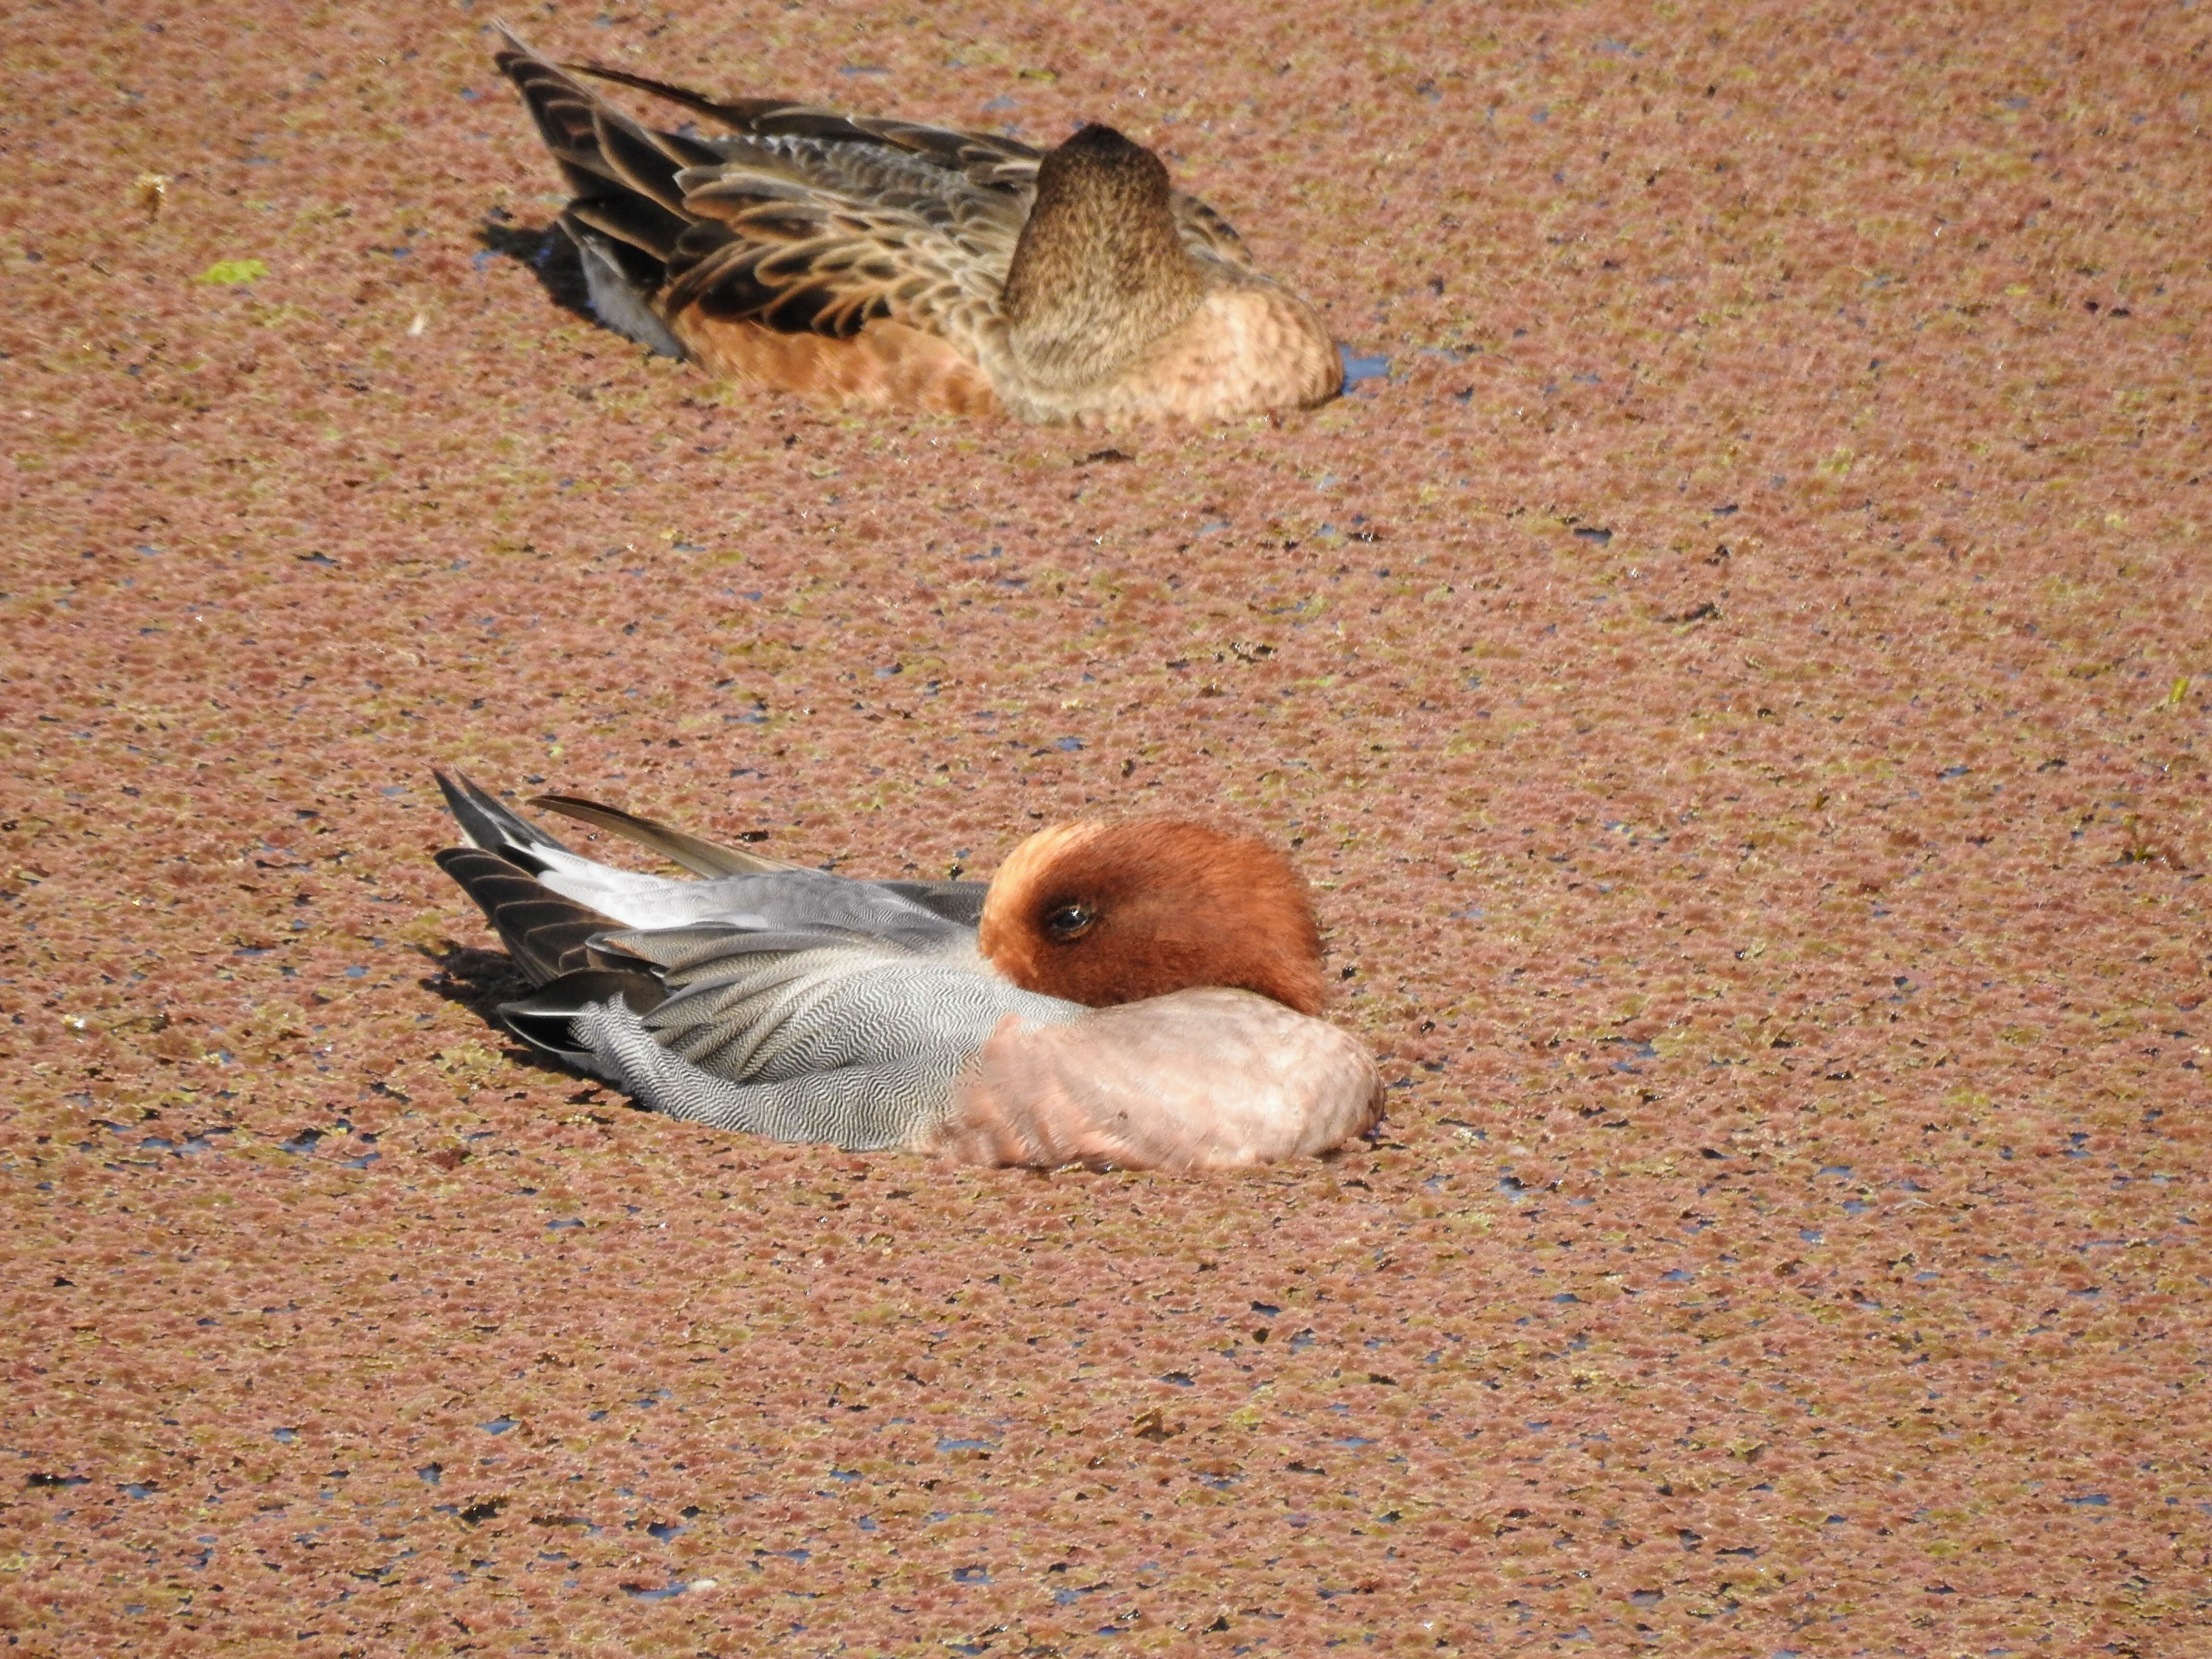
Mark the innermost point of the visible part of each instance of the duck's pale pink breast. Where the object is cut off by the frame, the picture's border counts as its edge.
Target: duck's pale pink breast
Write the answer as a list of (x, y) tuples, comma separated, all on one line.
[(1202, 1080)]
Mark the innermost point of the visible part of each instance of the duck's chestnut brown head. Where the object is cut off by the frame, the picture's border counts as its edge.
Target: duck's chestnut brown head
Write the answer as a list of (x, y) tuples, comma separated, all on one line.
[(1103, 913)]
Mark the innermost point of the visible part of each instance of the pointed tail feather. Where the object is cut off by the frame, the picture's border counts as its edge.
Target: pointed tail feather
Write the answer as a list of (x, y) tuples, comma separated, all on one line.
[(694, 854), (491, 824), (985, 158), (740, 115), (622, 174)]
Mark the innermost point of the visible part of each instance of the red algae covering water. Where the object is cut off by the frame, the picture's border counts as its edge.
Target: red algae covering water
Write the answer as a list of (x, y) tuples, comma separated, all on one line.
[(1737, 682)]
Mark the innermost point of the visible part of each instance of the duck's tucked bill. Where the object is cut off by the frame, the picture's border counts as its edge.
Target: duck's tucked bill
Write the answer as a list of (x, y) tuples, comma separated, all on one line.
[(1138, 996), (874, 261)]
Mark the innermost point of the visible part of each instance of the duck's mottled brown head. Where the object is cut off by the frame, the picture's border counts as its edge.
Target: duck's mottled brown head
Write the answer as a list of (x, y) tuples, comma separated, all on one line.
[(1105, 913), (1100, 272)]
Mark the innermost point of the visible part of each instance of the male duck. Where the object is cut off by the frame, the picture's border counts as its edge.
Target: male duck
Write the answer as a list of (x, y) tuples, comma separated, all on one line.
[(1140, 995)]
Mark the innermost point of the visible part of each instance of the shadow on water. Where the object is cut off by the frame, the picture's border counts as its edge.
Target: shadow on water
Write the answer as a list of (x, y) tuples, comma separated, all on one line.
[(479, 981), (546, 252)]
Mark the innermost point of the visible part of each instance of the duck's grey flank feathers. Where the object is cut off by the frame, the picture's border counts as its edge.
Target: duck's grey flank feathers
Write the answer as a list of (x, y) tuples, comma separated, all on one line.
[(546, 1017), (771, 1015), (898, 1104)]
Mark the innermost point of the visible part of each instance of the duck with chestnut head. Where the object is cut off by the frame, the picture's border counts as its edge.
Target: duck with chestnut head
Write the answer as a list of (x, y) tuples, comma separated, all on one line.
[(1138, 995)]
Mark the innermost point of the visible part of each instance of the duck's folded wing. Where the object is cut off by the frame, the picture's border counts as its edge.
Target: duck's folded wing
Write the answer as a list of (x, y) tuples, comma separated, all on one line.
[(622, 174), (619, 895), (1200, 1079), (864, 158), (794, 1035), (803, 250), (780, 901), (1206, 234), (937, 918), (960, 902), (986, 160), (547, 934), (804, 223)]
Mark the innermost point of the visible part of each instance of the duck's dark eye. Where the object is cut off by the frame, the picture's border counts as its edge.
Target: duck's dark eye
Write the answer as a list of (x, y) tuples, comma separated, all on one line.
[(1069, 921)]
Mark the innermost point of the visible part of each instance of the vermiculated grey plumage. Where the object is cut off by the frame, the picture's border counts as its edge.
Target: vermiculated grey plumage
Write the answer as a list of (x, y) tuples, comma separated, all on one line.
[(806, 1006), (787, 1002)]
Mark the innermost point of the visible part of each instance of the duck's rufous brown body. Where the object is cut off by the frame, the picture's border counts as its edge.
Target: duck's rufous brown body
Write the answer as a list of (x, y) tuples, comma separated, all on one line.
[(878, 263)]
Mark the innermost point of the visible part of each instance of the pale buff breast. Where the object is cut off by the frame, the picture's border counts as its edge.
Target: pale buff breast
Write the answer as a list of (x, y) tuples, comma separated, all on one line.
[(1208, 1078), (1245, 350)]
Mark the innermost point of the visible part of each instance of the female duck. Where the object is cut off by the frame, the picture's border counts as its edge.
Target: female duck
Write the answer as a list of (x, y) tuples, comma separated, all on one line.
[(1140, 995), (875, 262)]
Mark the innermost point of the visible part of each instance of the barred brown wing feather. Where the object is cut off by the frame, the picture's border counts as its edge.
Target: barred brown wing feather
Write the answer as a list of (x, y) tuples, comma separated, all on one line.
[(603, 154), (634, 221), (800, 259), (1205, 232)]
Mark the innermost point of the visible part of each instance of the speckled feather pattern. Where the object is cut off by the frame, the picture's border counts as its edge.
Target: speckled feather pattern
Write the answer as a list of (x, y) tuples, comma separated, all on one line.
[(1738, 680), (879, 262)]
